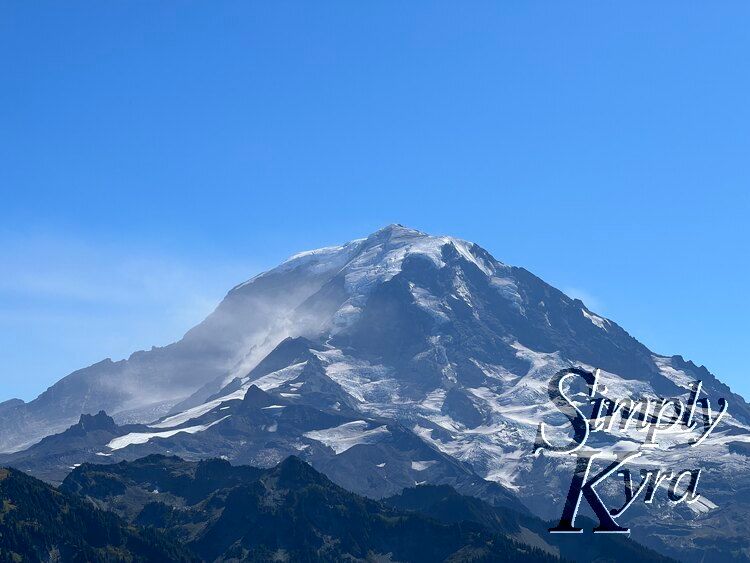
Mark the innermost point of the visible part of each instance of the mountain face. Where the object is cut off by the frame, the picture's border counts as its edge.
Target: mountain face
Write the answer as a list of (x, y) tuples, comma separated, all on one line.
[(251, 320), (286, 513), (391, 361), (446, 505), (55, 456), (39, 523)]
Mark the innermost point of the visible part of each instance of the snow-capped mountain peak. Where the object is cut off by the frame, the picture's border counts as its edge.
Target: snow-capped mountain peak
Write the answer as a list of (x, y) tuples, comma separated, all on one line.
[(390, 360), (380, 256)]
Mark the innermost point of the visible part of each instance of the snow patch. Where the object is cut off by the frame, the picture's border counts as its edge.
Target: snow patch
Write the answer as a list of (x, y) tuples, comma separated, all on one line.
[(422, 465), (596, 320), (143, 437), (278, 378), (428, 303), (341, 438), (267, 382), (702, 505), (463, 249)]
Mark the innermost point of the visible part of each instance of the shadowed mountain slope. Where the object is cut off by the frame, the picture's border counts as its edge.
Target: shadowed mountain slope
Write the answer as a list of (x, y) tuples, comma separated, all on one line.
[(289, 512), (39, 523)]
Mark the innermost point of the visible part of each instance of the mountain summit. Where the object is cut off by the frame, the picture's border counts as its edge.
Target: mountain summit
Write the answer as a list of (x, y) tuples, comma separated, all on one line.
[(252, 319), (393, 360)]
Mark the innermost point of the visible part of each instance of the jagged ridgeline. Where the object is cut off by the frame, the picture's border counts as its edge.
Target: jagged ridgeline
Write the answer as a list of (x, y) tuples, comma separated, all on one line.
[(39, 523), (172, 510), (390, 361), (291, 512)]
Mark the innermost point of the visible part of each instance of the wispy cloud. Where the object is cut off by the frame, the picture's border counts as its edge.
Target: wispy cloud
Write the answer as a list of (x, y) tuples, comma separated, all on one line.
[(592, 302), (66, 303)]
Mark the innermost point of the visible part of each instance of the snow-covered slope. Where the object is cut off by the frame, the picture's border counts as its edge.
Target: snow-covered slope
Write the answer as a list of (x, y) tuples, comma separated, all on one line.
[(251, 320), (398, 359)]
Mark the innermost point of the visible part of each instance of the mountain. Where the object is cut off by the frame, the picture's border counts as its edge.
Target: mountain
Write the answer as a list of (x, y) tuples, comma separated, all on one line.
[(286, 513), (39, 523), (250, 321), (53, 457), (396, 360), (262, 429), (446, 505), (163, 508)]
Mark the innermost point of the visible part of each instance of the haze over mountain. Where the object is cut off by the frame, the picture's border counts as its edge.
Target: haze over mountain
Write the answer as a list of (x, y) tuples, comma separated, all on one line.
[(389, 361)]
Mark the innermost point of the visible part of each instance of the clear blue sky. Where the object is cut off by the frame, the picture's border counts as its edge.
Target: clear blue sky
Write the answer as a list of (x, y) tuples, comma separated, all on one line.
[(153, 154)]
